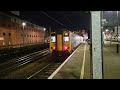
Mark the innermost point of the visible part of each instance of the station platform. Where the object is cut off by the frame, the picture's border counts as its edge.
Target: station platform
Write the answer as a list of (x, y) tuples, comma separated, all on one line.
[(111, 61), (76, 66)]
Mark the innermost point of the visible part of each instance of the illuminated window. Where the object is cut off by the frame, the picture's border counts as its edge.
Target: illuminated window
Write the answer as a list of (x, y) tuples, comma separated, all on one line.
[(9, 42), (3, 43), (66, 34), (66, 39), (53, 39)]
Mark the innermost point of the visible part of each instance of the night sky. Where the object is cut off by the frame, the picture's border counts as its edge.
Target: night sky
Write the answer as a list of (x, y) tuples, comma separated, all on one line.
[(72, 20)]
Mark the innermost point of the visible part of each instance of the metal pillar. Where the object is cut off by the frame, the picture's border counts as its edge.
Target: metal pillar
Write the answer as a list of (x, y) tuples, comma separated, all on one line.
[(97, 72)]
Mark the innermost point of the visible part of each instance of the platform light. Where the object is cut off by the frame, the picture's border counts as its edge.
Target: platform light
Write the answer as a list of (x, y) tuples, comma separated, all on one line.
[(44, 29), (106, 30), (23, 24)]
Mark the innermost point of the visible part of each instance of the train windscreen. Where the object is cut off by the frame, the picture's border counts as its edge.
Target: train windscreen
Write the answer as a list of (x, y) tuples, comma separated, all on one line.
[(53, 39), (66, 39)]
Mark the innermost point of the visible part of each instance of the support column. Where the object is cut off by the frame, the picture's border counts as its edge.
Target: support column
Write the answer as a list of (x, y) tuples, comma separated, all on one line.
[(97, 72)]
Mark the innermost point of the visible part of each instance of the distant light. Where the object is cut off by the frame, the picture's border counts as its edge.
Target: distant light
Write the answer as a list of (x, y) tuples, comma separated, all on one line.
[(44, 29), (106, 30), (104, 20), (23, 23)]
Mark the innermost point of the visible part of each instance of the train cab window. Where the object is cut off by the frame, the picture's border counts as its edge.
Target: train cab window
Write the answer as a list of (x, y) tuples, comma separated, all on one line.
[(53, 39), (66, 39)]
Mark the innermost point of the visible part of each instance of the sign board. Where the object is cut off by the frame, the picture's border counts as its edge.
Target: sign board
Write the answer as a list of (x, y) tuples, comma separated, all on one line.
[(1, 38)]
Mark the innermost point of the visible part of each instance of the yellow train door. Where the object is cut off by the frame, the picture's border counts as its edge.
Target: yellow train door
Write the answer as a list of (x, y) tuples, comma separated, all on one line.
[(59, 42)]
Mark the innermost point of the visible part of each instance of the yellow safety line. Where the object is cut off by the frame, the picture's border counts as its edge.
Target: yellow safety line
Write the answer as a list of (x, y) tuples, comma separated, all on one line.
[(83, 65)]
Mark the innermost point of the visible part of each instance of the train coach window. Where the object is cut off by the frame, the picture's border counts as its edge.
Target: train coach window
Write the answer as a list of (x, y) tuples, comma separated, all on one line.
[(66, 39), (53, 39)]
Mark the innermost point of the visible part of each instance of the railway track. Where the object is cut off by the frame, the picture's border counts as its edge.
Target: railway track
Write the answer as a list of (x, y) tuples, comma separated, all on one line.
[(23, 60), (47, 70)]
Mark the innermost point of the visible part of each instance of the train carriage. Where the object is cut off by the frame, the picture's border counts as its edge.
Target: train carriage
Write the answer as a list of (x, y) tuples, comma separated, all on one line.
[(63, 42)]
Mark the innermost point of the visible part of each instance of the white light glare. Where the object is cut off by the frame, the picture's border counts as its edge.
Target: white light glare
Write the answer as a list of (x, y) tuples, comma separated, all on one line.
[(23, 23), (44, 29)]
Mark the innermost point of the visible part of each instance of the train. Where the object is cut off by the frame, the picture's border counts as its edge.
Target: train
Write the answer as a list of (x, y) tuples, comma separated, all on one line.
[(63, 42), (16, 32)]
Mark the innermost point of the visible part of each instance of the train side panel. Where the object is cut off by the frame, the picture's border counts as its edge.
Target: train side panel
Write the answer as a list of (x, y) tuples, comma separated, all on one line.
[(75, 41)]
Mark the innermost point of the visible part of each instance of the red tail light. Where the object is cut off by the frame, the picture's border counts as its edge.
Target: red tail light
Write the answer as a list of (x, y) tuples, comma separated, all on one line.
[(54, 48), (65, 48)]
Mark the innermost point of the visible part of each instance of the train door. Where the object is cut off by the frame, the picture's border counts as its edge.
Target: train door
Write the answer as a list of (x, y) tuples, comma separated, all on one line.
[(59, 42)]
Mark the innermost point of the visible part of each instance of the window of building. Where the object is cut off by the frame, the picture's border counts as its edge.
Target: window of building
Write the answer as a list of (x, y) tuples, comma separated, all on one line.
[(9, 42), (9, 34), (3, 43), (3, 34)]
